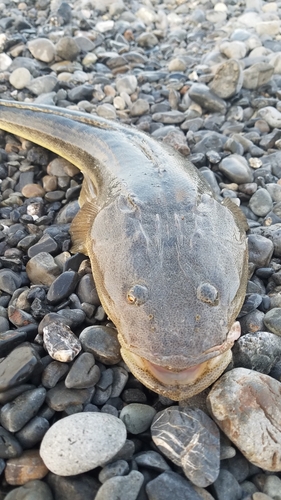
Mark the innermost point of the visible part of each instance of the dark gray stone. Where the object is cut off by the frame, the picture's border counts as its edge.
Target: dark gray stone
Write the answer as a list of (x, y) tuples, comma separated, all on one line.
[(9, 445), (15, 415), (84, 372), (226, 486), (32, 432), (62, 287), (117, 468), (18, 367), (82, 487), (171, 485), (102, 342)]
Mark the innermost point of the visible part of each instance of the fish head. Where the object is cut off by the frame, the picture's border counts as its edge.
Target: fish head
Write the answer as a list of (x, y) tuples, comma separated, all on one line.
[(173, 282)]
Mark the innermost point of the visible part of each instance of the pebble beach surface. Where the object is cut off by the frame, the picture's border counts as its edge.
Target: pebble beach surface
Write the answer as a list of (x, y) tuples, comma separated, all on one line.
[(205, 78)]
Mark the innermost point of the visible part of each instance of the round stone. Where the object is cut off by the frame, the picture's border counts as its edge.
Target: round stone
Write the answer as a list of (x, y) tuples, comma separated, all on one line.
[(20, 77), (236, 168), (137, 417), (82, 442), (272, 320), (42, 49)]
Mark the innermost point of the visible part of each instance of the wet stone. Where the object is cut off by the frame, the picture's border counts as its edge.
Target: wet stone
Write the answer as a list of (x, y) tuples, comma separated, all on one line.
[(81, 442), (42, 269), (45, 244), (102, 342), (28, 467), (226, 486), (251, 302), (60, 342), (9, 281), (18, 367), (170, 484), (152, 460), (35, 490), (240, 399), (137, 417), (82, 487), (207, 99), (14, 415), (272, 320), (260, 250), (83, 373), (257, 351), (199, 457), (62, 287), (121, 487)]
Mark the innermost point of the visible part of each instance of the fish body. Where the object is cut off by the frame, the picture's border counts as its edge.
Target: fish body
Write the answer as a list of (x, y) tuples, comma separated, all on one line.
[(168, 260)]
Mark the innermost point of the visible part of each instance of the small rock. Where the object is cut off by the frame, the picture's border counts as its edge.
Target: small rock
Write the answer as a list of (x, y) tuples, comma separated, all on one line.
[(139, 107), (82, 442), (15, 415), (236, 168), (240, 399), (226, 486), (126, 84), (234, 49), (42, 269), (42, 49), (137, 417), (20, 78), (83, 373), (260, 250), (62, 287), (18, 367), (191, 440), (121, 487), (170, 484), (272, 320), (271, 115), (33, 490), (60, 342), (228, 79), (67, 48), (28, 467), (202, 95), (257, 351), (256, 75), (102, 342)]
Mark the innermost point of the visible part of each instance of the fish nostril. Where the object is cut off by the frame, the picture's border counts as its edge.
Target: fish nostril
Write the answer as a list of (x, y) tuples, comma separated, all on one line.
[(207, 293)]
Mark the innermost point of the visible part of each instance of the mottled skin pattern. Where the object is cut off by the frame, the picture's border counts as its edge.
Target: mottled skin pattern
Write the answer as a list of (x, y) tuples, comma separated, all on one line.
[(169, 261)]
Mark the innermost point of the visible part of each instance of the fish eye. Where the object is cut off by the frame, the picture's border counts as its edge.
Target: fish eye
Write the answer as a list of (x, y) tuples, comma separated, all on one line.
[(137, 295)]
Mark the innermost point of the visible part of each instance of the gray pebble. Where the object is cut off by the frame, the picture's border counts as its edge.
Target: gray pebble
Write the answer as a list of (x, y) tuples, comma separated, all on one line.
[(207, 99), (102, 342), (82, 487), (261, 202), (257, 351), (32, 490), (226, 486), (33, 432), (53, 373), (260, 250), (59, 398), (272, 320), (42, 84), (14, 415), (236, 168), (83, 373), (62, 287), (137, 417), (121, 487), (42, 49), (18, 366), (171, 485), (117, 468), (86, 290), (152, 460), (9, 445)]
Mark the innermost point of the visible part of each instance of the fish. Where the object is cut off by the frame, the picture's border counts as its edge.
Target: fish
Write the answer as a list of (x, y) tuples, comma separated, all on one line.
[(169, 260)]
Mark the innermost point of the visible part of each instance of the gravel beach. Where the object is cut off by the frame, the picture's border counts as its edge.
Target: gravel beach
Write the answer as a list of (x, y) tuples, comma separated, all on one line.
[(203, 77)]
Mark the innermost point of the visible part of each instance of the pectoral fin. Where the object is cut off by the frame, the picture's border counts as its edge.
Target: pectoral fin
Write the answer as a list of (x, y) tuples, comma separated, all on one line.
[(81, 226)]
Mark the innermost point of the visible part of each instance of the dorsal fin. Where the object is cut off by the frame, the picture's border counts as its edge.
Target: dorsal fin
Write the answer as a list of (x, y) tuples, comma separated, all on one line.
[(81, 226), (237, 213)]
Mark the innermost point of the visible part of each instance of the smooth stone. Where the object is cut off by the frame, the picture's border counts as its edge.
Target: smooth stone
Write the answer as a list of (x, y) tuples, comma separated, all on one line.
[(53, 373), (45, 244), (67, 48), (268, 27), (272, 487), (42, 49), (18, 367), (252, 322), (9, 281), (117, 468), (121, 487), (227, 80), (260, 250), (14, 415), (102, 342), (61, 167), (152, 460), (20, 78), (191, 441), (86, 290), (83, 373), (28, 467), (274, 191), (59, 398), (139, 107), (236, 168), (9, 445), (62, 287), (202, 95), (271, 115), (60, 342), (42, 84), (106, 111), (251, 302), (42, 269), (120, 378), (272, 320), (68, 212), (261, 202), (171, 485), (234, 49), (240, 399), (257, 351), (33, 432), (82, 442), (33, 490), (147, 40), (82, 487), (169, 117), (33, 190), (126, 84), (226, 486), (256, 75), (137, 417)]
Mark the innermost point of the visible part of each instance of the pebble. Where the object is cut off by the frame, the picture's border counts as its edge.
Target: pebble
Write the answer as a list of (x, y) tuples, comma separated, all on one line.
[(83, 373), (121, 487), (189, 439), (272, 320), (18, 366), (82, 442), (62, 287), (227, 80), (236, 169), (14, 415), (137, 417), (20, 78), (34, 489), (261, 202), (202, 95), (42, 49), (257, 351), (169, 483), (41, 269), (60, 342), (28, 467), (240, 399), (126, 84), (102, 342), (117, 468)]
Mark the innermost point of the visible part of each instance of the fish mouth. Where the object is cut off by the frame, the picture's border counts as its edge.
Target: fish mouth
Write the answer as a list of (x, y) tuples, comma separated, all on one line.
[(183, 383)]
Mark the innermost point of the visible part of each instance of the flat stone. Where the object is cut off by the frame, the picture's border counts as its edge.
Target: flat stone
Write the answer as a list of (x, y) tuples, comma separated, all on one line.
[(236, 168), (152, 460), (53, 373), (82, 442), (45, 244), (260, 250), (60, 342), (240, 399), (190, 440), (32, 432), (202, 95), (59, 398), (62, 287), (83, 373), (42, 49), (28, 467), (42, 84)]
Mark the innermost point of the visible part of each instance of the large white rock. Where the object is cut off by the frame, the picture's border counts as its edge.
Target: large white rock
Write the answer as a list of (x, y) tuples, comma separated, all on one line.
[(81, 442)]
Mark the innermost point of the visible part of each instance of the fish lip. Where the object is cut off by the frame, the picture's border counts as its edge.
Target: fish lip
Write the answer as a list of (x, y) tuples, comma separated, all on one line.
[(183, 363), (170, 377)]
